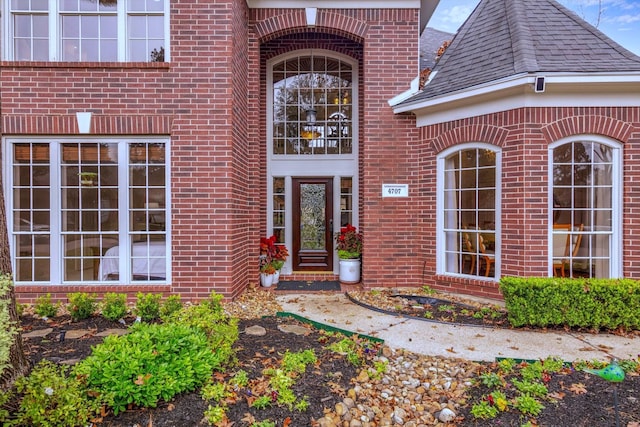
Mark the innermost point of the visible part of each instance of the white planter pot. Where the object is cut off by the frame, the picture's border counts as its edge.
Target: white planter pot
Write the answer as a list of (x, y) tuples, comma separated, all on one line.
[(276, 277), (350, 271), (266, 280)]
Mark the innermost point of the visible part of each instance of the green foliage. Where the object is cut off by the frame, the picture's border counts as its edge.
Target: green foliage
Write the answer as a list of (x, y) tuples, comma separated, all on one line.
[(240, 379), (114, 306), (572, 302), (297, 362), (50, 398), (44, 307), (171, 305), (428, 290), (264, 423), (532, 371), (8, 328), (5, 397), (148, 306), (262, 402), (484, 410), (152, 362), (491, 379), (532, 388), (214, 391), (446, 307), (428, 315), (528, 405), (209, 316), (81, 305), (302, 404), (349, 348), (553, 364), (215, 414), (506, 365)]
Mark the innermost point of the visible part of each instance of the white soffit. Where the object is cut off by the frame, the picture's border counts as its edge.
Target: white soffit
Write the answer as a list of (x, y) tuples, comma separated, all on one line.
[(619, 90), (335, 4)]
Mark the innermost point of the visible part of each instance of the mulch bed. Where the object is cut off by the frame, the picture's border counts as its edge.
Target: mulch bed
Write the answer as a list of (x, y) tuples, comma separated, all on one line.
[(581, 399), (324, 384)]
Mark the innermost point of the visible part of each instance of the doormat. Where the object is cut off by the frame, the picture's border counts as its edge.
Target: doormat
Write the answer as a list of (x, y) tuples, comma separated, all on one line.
[(304, 285)]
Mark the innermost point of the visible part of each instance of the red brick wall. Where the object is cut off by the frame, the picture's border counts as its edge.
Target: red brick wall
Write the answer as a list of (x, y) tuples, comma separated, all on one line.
[(210, 100), (524, 136)]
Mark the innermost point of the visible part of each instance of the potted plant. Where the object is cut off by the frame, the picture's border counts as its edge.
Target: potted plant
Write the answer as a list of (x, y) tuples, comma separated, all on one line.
[(267, 273), (88, 178), (272, 255), (349, 245)]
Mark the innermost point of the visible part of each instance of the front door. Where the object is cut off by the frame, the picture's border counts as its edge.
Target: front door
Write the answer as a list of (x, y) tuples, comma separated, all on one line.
[(312, 224)]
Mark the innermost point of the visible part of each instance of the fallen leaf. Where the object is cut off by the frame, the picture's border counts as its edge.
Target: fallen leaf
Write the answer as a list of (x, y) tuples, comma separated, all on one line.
[(558, 395), (287, 422), (171, 407), (471, 348), (248, 418), (578, 388), (451, 350)]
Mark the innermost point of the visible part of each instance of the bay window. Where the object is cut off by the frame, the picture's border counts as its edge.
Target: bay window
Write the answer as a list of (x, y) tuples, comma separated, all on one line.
[(88, 211)]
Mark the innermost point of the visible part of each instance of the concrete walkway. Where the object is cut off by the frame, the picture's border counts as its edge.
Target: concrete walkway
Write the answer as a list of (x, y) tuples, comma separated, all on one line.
[(447, 340)]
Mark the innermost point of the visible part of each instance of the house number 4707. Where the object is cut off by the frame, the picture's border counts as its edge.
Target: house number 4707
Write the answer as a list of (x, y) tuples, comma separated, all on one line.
[(395, 190)]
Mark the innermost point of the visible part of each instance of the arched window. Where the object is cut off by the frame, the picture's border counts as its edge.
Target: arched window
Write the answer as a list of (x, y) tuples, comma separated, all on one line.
[(313, 110), (468, 211), (585, 200)]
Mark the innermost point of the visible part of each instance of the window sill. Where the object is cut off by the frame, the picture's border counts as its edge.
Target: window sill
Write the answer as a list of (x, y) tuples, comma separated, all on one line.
[(61, 64)]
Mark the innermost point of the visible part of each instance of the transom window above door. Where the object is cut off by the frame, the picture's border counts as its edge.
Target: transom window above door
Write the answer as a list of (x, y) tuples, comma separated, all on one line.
[(86, 30), (313, 109)]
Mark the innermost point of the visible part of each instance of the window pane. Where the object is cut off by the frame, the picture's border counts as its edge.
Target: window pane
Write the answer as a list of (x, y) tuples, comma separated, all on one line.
[(470, 207), (583, 205), (156, 27)]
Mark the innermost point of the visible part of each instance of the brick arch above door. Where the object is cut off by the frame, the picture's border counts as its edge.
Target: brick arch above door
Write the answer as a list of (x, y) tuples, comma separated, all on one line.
[(294, 20)]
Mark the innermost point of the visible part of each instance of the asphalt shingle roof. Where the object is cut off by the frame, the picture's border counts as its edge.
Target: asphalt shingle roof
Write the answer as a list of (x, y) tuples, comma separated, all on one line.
[(503, 38), (430, 42)]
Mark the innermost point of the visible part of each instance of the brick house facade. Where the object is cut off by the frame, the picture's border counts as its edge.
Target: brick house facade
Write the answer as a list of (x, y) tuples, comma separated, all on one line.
[(217, 180)]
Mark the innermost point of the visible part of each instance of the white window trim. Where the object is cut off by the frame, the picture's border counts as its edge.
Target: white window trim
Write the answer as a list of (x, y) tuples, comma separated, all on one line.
[(124, 233), (441, 258), (55, 41), (616, 254)]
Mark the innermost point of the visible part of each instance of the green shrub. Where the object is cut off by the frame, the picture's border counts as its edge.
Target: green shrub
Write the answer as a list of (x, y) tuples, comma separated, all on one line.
[(572, 302), (44, 307), (81, 305), (209, 316), (152, 362), (114, 306), (8, 328), (50, 398), (171, 305), (148, 306)]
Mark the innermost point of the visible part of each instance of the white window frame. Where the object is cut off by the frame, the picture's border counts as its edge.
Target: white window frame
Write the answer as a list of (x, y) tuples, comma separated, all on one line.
[(124, 230), (441, 256), (617, 211), (55, 25)]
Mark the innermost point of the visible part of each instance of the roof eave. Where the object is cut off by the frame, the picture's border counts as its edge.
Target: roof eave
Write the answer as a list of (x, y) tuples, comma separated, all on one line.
[(561, 89)]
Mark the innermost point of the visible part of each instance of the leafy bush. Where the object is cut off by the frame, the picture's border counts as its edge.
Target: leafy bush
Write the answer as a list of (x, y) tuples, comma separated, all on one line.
[(7, 327), (148, 306), (44, 307), (81, 305), (50, 398), (572, 302), (114, 306), (209, 316), (152, 362), (171, 305)]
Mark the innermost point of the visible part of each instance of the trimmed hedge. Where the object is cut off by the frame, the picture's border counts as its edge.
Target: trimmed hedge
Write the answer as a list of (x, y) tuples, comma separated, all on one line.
[(573, 302)]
